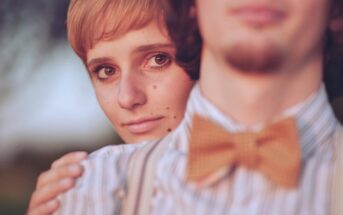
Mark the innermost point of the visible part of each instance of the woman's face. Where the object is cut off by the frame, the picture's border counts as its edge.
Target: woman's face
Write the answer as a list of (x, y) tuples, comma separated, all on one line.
[(138, 85)]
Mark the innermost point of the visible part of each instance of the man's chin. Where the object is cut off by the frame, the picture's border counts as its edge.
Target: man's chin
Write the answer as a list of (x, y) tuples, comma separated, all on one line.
[(249, 59)]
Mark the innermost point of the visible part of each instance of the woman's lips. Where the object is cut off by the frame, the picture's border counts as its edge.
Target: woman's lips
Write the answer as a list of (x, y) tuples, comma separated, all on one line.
[(258, 15), (142, 125)]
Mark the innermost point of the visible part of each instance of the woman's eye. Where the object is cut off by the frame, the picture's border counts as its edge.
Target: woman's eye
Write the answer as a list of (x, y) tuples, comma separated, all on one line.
[(105, 72), (159, 60)]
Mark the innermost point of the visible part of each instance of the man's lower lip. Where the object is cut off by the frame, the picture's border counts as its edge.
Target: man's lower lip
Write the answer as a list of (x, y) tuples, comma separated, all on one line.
[(259, 17), (143, 127)]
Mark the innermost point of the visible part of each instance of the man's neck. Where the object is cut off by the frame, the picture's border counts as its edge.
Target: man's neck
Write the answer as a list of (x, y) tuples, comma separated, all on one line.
[(257, 98)]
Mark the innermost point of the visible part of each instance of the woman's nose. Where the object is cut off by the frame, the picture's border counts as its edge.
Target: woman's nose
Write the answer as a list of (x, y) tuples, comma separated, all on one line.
[(131, 93)]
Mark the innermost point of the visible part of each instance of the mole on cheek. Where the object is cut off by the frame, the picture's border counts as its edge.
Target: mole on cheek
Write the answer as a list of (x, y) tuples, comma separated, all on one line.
[(154, 87), (174, 117), (169, 129), (167, 108)]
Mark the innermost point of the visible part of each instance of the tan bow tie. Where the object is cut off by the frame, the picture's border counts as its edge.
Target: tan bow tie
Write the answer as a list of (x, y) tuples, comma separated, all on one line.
[(274, 151)]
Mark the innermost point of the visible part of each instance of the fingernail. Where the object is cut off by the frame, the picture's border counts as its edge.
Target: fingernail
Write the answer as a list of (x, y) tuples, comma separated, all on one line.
[(52, 203), (81, 155), (74, 168), (66, 182)]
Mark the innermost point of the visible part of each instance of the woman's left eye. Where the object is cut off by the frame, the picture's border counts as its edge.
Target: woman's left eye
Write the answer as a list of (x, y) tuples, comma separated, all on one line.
[(159, 60)]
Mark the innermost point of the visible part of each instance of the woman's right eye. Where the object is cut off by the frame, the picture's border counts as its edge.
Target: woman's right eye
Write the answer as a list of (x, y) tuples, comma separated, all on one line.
[(104, 73)]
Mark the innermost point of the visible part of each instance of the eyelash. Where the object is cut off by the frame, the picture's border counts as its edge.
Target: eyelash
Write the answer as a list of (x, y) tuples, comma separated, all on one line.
[(96, 72), (168, 61)]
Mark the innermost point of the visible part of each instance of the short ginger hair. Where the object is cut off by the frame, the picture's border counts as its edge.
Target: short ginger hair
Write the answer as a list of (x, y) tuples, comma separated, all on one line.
[(91, 21)]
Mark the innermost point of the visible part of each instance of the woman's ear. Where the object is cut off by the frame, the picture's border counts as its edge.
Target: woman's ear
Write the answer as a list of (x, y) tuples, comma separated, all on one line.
[(336, 23), (336, 29), (192, 11)]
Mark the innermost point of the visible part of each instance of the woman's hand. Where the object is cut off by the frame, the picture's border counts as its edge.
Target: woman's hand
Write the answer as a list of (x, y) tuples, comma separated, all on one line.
[(57, 180)]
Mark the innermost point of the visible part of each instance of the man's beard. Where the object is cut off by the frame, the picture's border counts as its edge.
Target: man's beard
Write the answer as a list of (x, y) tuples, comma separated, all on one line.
[(251, 58)]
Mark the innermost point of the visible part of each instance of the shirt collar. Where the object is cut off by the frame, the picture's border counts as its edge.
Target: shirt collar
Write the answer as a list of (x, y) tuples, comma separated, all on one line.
[(314, 116)]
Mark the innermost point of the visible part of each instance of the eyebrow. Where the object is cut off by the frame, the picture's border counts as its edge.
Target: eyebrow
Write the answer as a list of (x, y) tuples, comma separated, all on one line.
[(149, 47), (139, 49), (98, 61)]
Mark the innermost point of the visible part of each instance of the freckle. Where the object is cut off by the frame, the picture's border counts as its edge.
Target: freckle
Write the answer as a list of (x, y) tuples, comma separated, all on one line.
[(151, 114), (174, 117), (154, 86), (169, 130), (167, 108)]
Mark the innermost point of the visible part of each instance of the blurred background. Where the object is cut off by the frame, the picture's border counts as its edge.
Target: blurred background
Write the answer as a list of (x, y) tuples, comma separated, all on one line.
[(47, 105)]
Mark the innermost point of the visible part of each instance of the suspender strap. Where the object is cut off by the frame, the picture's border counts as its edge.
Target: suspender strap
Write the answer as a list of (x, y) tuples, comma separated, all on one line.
[(337, 181), (141, 173)]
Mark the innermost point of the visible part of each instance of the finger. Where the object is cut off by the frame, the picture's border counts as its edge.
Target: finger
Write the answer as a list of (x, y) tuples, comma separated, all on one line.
[(54, 175), (46, 208), (72, 157), (50, 192)]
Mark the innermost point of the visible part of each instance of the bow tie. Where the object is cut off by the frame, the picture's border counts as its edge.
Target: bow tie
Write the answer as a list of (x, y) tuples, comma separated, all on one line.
[(273, 151)]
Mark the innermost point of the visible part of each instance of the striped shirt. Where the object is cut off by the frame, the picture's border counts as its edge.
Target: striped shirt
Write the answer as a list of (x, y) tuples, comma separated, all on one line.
[(102, 188)]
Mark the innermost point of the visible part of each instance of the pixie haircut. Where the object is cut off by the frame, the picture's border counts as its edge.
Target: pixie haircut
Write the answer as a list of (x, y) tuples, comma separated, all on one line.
[(91, 21)]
